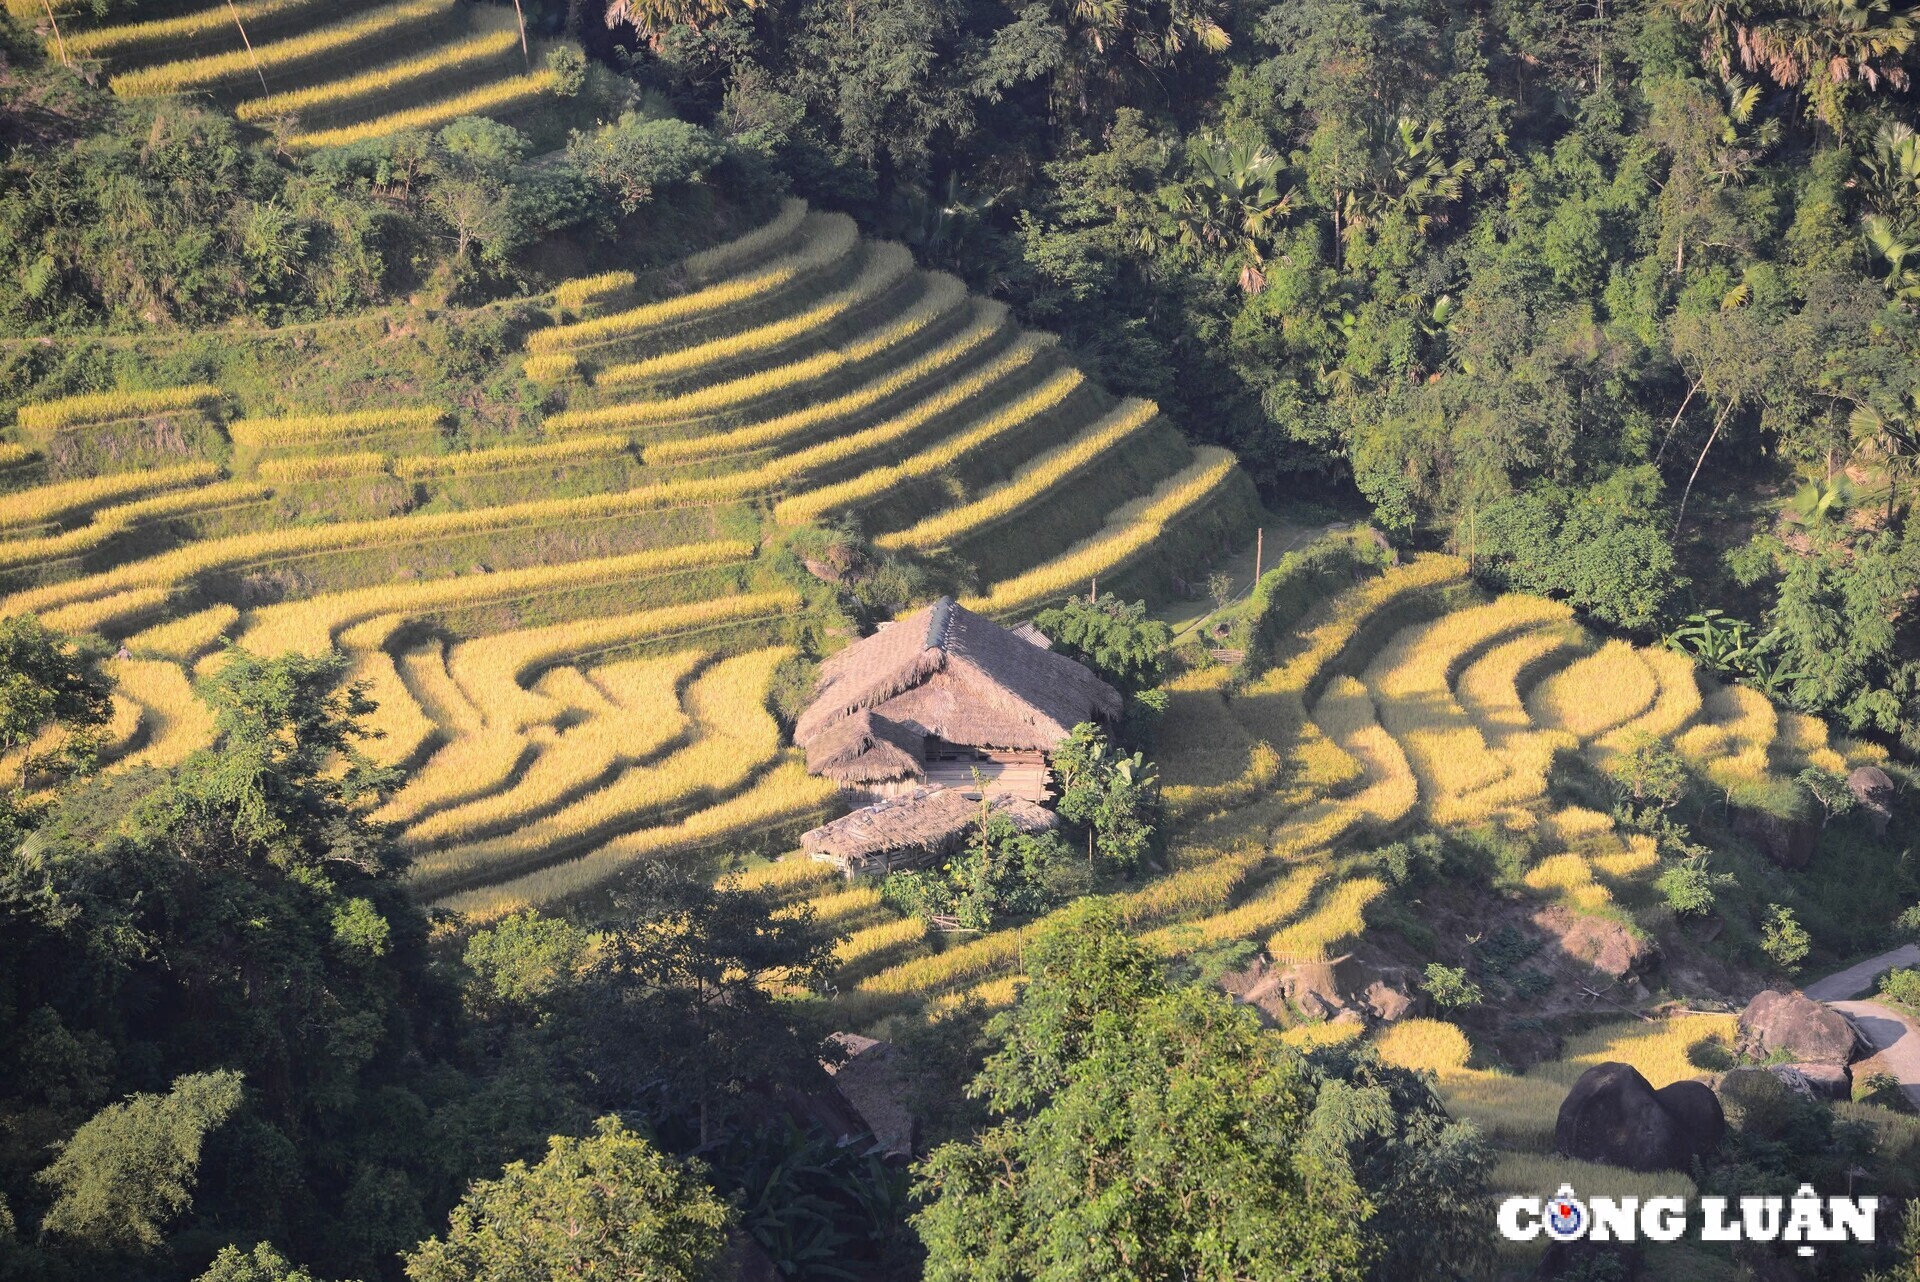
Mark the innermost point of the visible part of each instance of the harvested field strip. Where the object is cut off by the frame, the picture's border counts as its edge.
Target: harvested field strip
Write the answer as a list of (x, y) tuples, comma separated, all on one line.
[(781, 796), (270, 545), (447, 61), (832, 239), (497, 96), (313, 624), (1034, 480), (187, 638), (331, 41), (316, 429), (509, 458), (1130, 531), (865, 947), (1592, 696), (849, 908), (133, 37), (871, 484), (886, 266), (479, 787), (44, 418), (991, 321), (744, 249), (48, 503), (944, 295), (109, 522)]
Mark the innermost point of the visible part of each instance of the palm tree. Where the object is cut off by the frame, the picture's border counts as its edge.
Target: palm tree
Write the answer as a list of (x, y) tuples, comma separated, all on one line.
[(1900, 256), (654, 18), (1109, 42), (1889, 177), (1408, 176), (1818, 45), (1230, 199), (1894, 436)]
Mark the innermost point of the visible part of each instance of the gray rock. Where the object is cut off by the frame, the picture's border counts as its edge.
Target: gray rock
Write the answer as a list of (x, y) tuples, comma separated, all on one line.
[(1613, 1116), (1795, 1026), (1696, 1110), (1873, 790)]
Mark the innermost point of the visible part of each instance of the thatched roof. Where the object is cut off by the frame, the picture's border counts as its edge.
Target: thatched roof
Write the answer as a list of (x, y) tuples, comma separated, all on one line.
[(945, 671), (930, 820), (864, 748)]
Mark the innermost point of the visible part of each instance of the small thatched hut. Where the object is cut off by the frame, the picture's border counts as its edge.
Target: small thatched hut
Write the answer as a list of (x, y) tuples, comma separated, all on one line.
[(942, 698), (917, 829)]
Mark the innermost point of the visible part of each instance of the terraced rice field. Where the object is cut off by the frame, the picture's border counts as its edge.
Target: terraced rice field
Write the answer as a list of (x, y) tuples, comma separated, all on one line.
[(324, 74), (571, 628)]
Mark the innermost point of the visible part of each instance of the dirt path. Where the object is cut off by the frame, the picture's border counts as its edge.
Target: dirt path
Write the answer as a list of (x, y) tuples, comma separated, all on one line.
[(1892, 1035)]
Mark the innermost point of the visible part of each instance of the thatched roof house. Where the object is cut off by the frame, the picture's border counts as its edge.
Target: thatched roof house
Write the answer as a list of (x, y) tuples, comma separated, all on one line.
[(915, 829), (940, 697)]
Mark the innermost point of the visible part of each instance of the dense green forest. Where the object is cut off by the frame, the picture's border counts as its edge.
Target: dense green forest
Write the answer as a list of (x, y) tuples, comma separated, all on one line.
[(1618, 302)]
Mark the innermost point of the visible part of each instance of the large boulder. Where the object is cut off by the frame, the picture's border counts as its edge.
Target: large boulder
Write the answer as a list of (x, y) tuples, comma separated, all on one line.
[(1697, 1114), (1792, 1025), (1872, 789), (1612, 1115)]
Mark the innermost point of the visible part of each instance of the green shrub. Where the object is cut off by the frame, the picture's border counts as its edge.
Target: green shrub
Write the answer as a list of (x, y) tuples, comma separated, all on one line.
[(1901, 986), (1784, 939), (1450, 987)]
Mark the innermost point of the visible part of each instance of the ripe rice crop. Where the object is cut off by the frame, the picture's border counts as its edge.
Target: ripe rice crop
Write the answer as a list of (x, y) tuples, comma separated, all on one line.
[(122, 731), (331, 40), (573, 295), (1334, 625), (1206, 759), (555, 367), (110, 522), (782, 795), (312, 624), (468, 789), (1346, 712), (976, 959), (852, 904), (517, 656), (1661, 1050), (1274, 906), (773, 431), (316, 429), (424, 669), (1034, 479), (186, 638), (446, 60), (1489, 687), (1336, 919), (863, 947), (887, 265), (789, 877), (321, 467), (1738, 728), (1429, 1045), (132, 37), (742, 249), (1569, 878), (1516, 1111), (1634, 857), (875, 482), (1676, 704), (1129, 532), (1606, 689), (177, 722), (400, 725), (1804, 738), (1333, 1032), (942, 296), (47, 417), (46, 503), (508, 458), (493, 98), (12, 455), (89, 616), (1531, 1173), (268, 545), (836, 237)]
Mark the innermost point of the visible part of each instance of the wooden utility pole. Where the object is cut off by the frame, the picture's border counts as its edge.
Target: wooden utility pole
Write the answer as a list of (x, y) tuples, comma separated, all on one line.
[(1093, 595), (1259, 550)]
